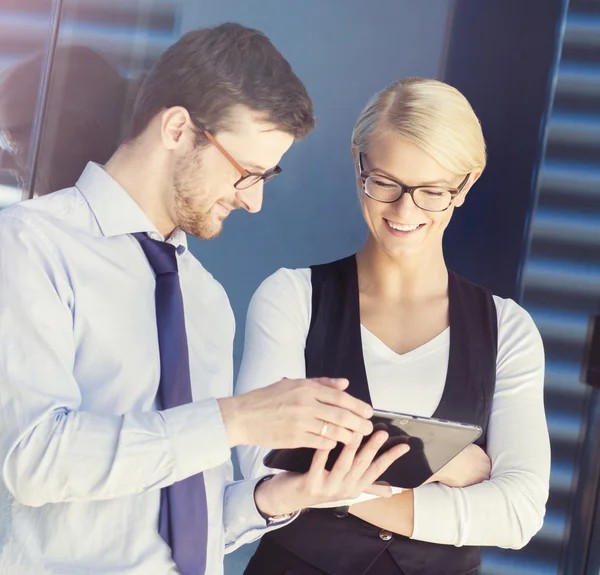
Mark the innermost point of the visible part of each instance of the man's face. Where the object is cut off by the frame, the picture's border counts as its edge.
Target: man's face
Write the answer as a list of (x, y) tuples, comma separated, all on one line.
[(203, 178)]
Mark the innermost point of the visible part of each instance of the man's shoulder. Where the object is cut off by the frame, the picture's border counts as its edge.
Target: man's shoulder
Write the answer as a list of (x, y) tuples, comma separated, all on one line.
[(43, 211), (213, 289)]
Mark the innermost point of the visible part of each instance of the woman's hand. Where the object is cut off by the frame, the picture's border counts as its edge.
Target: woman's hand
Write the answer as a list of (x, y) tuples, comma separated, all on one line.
[(469, 467), (353, 473)]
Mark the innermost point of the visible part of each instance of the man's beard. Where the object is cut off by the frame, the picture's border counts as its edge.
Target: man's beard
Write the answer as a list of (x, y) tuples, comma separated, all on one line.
[(191, 208), (192, 220)]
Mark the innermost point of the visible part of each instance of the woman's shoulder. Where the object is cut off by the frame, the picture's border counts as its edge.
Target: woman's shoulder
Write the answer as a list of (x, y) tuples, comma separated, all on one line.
[(283, 299), (509, 311), (516, 329), (510, 314), (285, 280)]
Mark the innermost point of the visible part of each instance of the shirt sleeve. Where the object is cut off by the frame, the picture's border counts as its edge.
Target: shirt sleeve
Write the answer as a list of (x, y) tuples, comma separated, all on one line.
[(51, 450), (276, 328), (509, 509), (242, 522)]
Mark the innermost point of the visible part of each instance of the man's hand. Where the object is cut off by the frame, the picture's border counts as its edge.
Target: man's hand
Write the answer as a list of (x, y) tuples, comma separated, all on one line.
[(314, 413), (469, 467), (352, 474)]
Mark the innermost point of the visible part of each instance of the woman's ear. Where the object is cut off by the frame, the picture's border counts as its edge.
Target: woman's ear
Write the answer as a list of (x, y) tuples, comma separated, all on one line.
[(359, 182), (460, 199)]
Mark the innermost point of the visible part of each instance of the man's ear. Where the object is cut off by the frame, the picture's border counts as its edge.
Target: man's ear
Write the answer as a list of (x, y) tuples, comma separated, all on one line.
[(172, 126)]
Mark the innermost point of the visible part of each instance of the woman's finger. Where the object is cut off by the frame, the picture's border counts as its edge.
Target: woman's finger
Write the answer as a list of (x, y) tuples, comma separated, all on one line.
[(345, 460), (365, 456), (319, 461)]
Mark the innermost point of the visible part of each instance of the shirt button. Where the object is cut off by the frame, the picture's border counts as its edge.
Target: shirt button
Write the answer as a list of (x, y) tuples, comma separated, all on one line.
[(340, 512), (155, 236), (385, 535), (180, 249)]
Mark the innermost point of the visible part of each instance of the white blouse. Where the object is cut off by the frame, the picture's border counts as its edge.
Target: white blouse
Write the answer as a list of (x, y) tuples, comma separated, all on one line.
[(505, 511)]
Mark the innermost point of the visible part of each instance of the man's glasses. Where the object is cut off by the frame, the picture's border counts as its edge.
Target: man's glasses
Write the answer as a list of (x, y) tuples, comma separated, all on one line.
[(388, 191), (247, 179)]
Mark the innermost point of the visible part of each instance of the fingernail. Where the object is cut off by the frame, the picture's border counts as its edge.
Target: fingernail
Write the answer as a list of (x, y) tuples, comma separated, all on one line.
[(368, 413)]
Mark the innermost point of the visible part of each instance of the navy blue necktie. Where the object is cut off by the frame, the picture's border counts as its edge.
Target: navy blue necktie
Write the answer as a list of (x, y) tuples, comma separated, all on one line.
[(183, 512)]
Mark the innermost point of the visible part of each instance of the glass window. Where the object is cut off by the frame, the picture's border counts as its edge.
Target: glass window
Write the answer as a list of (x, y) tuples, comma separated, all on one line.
[(24, 29), (102, 52)]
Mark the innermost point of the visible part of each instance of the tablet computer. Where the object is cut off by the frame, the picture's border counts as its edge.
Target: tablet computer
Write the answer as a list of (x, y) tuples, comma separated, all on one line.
[(433, 443)]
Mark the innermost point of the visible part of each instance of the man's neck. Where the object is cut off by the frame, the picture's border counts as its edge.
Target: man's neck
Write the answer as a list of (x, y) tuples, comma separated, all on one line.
[(141, 173)]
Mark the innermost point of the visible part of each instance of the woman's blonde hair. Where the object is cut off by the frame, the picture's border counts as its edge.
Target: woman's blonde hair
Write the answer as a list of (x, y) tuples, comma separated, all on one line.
[(431, 114)]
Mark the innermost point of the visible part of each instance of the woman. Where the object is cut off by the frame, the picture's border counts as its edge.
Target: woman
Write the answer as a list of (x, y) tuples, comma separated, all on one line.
[(413, 337)]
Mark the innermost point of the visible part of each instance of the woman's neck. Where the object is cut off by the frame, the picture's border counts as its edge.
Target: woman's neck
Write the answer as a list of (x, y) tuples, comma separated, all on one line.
[(403, 277)]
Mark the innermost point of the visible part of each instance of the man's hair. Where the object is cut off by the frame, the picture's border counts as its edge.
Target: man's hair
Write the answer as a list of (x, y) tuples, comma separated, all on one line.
[(210, 70)]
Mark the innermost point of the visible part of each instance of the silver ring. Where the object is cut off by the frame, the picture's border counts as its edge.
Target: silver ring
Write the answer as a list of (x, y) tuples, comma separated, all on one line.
[(324, 429)]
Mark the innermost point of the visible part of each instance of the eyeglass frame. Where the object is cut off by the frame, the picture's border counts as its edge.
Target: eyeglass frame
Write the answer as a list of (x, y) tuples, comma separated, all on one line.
[(404, 189), (244, 173)]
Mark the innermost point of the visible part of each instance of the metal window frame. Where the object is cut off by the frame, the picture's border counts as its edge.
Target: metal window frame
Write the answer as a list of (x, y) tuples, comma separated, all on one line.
[(42, 101)]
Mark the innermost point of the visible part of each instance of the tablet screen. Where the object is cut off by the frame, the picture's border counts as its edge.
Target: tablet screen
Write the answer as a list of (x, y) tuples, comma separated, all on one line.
[(433, 443)]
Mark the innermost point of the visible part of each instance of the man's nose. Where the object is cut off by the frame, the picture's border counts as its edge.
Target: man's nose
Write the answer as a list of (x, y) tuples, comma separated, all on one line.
[(252, 198)]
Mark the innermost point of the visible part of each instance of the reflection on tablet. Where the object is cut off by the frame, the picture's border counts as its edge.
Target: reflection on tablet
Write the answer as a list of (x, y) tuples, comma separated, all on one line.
[(433, 443)]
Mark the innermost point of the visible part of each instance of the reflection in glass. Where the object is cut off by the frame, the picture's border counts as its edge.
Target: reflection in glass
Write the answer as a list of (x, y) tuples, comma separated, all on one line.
[(104, 49), (24, 28)]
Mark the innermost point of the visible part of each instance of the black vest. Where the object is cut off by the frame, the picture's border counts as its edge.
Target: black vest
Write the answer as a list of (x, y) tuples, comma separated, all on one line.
[(345, 545)]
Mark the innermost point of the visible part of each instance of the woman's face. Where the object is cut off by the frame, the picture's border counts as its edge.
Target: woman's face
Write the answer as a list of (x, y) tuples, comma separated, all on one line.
[(402, 228)]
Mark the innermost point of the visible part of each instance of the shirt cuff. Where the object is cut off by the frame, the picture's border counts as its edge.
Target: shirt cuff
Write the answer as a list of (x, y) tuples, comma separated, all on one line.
[(242, 521), (433, 504), (198, 437)]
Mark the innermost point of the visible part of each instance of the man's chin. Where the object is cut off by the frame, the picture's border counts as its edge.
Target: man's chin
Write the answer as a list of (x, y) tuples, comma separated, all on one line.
[(205, 233)]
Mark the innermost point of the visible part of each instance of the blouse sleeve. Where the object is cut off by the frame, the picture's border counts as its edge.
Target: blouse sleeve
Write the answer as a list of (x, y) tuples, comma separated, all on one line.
[(508, 510), (276, 329)]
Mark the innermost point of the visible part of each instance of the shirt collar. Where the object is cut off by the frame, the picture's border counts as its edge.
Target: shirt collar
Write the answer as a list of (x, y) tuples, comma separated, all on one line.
[(115, 211)]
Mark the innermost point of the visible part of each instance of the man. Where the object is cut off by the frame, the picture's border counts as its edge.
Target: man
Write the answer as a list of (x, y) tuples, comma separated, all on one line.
[(116, 415)]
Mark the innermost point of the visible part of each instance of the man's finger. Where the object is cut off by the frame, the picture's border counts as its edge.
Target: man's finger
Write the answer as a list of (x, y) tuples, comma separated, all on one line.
[(334, 432), (339, 383), (341, 417), (314, 441), (331, 396), (382, 463)]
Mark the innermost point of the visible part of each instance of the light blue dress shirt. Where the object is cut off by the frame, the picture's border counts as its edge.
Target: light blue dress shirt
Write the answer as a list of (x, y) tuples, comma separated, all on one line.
[(83, 450)]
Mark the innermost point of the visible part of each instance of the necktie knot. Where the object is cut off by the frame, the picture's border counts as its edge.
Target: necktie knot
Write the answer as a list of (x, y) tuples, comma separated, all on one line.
[(161, 255)]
